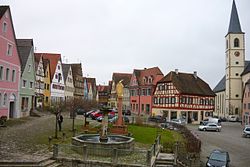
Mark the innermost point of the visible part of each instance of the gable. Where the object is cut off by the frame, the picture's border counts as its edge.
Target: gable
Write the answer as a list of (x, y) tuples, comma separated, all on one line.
[(8, 38)]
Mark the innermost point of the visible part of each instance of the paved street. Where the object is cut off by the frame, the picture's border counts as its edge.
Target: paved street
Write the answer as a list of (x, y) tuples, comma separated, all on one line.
[(229, 139)]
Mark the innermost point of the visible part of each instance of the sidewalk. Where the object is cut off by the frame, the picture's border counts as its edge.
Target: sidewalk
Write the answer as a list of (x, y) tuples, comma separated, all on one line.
[(19, 141)]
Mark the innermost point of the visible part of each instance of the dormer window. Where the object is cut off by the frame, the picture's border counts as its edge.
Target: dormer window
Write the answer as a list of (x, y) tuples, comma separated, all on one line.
[(236, 42), (150, 80)]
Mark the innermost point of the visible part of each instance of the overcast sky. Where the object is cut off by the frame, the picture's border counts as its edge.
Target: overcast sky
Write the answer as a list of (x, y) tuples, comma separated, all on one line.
[(109, 36)]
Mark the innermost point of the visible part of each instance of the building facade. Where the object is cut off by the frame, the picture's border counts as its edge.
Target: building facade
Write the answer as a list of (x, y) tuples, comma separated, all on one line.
[(229, 90), (39, 84), (141, 88), (10, 67), (28, 77), (125, 78), (47, 82), (183, 96), (68, 80), (78, 80), (246, 104)]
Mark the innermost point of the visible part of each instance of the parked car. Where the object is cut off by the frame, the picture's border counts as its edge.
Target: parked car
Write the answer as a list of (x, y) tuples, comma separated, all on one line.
[(115, 118), (211, 119), (110, 116), (167, 125), (126, 112), (157, 118), (246, 131), (96, 114), (80, 111), (218, 158), (179, 121), (210, 126), (233, 118), (89, 112)]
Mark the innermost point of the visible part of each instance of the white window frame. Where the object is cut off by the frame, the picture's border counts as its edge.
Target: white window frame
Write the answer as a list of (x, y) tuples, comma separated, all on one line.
[(1, 72), (29, 68), (5, 26), (24, 83), (5, 96), (7, 74), (13, 79), (9, 49), (31, 84)]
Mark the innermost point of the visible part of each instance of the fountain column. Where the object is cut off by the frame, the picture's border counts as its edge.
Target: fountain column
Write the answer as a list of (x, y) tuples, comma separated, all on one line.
[(119, 91), (104, 129)]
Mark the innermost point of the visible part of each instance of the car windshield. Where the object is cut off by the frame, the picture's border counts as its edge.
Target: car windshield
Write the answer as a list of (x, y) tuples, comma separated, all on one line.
[(247, 129), (218, 157)]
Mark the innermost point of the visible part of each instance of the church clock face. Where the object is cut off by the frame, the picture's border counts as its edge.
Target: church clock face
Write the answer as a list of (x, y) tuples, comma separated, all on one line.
[(236, 53)]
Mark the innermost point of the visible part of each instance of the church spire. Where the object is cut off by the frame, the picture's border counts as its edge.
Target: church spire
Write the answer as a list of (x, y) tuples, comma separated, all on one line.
[(234, 25)]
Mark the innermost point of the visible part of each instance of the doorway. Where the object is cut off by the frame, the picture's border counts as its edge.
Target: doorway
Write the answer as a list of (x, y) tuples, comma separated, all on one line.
[(11, 109)]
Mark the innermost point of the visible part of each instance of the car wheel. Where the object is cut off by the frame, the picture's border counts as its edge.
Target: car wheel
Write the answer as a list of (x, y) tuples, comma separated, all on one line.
[(204, 129), (217, 130)]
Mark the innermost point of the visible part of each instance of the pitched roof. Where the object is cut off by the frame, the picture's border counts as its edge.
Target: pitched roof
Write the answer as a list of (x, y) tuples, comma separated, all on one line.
[(147, 72), (65, 69), (122, 76), (3, 9), (53, 60), (234, 25), (221, 85), (103, 88), (45, 64), (76, 69), (187, 83), (247, 68), (24, 47)]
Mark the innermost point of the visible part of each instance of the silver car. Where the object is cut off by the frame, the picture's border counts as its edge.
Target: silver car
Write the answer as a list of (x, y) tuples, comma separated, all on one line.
[(246, 131), (209, 126)]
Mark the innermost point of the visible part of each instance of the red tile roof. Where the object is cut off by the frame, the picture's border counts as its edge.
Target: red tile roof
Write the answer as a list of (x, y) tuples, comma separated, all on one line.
[(53, 60), (188, 83), (122, 76), (153, 72)]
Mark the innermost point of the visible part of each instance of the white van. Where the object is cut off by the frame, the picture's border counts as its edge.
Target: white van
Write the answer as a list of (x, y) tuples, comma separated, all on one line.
[(211, 119)]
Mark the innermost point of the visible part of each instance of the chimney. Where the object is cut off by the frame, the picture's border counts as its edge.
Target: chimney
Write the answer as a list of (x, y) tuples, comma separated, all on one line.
[(176, 71), (195, 74)]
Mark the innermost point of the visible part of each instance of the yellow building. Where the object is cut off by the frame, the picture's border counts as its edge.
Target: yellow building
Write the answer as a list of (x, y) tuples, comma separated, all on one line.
[(47, 82)]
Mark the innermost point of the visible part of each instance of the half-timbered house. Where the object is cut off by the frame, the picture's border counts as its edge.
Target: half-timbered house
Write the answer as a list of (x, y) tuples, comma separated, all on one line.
[(184, 96)]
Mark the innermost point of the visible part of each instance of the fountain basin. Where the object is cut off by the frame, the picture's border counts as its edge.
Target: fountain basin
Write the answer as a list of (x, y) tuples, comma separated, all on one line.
[(95, 147)]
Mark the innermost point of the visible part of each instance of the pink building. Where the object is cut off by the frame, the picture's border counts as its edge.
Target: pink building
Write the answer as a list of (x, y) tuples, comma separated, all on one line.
[(142, 85), (246, 104), (9, 66)]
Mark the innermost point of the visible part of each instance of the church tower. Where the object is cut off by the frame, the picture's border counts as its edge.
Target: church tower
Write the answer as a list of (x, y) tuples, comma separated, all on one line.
[(235, 63)]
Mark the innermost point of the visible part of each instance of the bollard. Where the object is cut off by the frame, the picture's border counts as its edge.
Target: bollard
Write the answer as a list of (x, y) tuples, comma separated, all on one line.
[(55, 151), (114, 157), (84, 152), (149, 158), (64, 136), (50, 140)]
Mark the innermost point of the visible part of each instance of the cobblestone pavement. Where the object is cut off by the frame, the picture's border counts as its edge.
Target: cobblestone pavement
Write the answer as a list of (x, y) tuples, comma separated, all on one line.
[(17, 141)]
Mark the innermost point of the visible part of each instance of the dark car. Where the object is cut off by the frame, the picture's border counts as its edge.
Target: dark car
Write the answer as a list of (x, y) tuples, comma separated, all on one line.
[(157, 118), (126, 112), (80, 111), (218, 158)]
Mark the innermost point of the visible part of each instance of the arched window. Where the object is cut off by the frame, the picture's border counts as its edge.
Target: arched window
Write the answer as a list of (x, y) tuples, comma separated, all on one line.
[(236, 42), (227, 44), (5, 99)]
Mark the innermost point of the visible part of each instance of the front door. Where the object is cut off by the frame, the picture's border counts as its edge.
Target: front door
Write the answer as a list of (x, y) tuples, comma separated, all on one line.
[(11, 109)]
